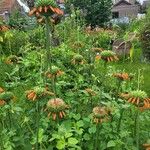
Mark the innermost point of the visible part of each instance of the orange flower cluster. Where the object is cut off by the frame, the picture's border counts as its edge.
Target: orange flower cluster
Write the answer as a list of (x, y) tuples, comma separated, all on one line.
[(4, 28), (2, 102), (57, 108), (138, 98), (146, 146), (122, 76), (54, 72), (110, 58), (1, 90), (5, 97), (90, 92), (100, 114), (45, 9), (37, 93)]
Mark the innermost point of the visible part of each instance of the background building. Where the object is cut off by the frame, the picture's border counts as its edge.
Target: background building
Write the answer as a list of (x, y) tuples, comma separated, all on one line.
[(123, 8)]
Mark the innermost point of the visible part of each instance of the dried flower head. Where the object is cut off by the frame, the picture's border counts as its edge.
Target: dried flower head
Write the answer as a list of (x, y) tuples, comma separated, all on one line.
[(97, 50), (90, 92), (78, 59), (37, 92), (45, 7), (54, 72), (123, 76), (12, 59), (100, 114), (97, 57), (138, 98), (1, 90), (147, 145), (4, 28), (108, 56), (56, 107), (2, 102)]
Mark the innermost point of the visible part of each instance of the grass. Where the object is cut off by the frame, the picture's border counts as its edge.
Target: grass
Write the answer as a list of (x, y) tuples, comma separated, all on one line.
[(134, 68)]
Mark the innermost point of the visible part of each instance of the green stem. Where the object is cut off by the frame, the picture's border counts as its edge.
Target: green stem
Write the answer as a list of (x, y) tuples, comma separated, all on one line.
[(48, 44), (120, 119), (37, 125), (97, 137), (137, 129)]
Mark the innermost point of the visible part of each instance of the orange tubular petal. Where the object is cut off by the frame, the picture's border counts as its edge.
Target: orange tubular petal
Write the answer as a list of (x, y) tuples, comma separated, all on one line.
[(30, 95), (60, 12), (52, 8), (37, 13), (130, 99), (138, 100), (40, 9), (1, 90), (32, 11), (111, 59), (45, 9), (63, 113), (60, 115), (108, 59), (133, 100), (34, 97), (145, 104)]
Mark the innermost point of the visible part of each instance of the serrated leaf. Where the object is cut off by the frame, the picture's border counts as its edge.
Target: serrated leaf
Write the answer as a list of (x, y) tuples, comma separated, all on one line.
[(111, 144), (72, 141)]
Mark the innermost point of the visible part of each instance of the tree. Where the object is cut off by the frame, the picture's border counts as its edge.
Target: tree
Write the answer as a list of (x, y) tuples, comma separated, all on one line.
[(97, 12)]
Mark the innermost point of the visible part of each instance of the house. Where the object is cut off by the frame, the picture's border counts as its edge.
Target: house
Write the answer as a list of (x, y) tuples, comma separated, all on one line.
[(146, 5), (7, 7), (123, 8)]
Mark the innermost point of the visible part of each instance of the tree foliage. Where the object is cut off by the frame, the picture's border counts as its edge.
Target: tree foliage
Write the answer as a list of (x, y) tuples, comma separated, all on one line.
[(97, 12)]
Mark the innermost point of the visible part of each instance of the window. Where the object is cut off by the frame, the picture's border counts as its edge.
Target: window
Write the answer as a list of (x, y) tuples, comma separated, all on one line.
[(115, 15)]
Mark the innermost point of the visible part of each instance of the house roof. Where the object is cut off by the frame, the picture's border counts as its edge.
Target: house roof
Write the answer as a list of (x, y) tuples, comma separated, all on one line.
[(6, 5), (122, 2)]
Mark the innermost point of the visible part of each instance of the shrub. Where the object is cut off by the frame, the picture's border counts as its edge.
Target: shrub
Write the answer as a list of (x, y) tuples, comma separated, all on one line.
[(145, 36)]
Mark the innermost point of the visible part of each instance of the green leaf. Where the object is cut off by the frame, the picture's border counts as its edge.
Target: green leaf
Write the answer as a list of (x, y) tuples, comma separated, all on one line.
[(92, 129), (86, 136), (80, 123), (72, 141), (61, 144), (111, 144), (68, 134)]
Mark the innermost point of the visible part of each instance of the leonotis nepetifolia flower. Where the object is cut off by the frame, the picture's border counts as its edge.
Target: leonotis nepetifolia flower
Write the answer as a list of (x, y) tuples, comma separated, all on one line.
[(54, 72), (108, 56), (100, 114), (37, 92), (45, 7), (56, 108), (138, 98), (78, 59), (123, 76)]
